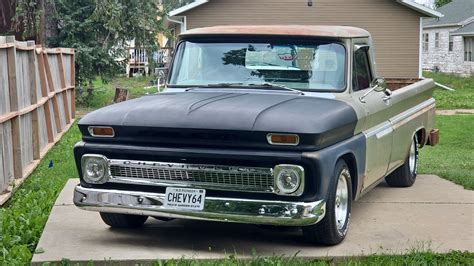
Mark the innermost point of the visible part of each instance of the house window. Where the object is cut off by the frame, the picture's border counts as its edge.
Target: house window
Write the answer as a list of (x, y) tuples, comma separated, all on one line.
[(451, 43), (469, 49), (426, 41), (437, 40)]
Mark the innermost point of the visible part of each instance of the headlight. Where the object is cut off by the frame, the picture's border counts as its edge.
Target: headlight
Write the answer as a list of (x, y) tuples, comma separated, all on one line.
[(289, 179), (95, 169)]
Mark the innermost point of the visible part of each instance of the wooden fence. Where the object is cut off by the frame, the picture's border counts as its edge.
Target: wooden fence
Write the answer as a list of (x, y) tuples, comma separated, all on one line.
[(37, 104)]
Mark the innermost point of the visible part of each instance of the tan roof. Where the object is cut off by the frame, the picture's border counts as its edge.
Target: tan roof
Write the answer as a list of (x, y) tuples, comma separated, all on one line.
[(287, 30)]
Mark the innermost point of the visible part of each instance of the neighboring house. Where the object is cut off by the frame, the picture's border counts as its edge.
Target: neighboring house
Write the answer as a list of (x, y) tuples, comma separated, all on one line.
[(448, 42), (137, 60), (395, 24)]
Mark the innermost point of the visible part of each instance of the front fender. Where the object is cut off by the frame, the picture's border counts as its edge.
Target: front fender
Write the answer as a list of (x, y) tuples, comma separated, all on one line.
[(325, 161)]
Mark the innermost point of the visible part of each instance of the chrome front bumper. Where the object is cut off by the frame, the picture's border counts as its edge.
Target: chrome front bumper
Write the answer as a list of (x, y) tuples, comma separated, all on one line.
[(215, 209)]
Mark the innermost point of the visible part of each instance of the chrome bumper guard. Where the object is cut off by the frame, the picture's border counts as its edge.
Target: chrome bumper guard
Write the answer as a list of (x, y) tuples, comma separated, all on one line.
[(281, 213)]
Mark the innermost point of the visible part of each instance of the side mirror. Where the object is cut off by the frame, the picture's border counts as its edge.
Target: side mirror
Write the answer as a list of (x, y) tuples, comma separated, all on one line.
[(378, 84)]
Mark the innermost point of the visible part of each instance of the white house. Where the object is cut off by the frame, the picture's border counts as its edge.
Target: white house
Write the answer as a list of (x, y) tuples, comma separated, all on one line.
[(448, 42)]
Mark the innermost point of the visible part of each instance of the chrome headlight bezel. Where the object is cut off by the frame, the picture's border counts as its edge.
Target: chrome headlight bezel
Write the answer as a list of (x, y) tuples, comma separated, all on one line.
[(296, 169), (102, 161)]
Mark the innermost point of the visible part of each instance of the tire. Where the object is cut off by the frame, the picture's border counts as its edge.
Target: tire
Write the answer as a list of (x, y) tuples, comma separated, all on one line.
[(329, 231), (116, 220), (405, 175)]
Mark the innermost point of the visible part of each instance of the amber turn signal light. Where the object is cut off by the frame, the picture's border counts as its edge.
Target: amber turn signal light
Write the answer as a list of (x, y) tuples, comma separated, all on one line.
[(283, 139), (103, 132)]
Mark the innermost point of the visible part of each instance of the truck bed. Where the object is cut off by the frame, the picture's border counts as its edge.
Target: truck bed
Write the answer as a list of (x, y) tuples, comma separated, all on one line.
[(398, 83)]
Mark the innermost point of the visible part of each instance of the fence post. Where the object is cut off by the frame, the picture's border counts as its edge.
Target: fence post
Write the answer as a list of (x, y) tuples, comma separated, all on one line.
[(13, 89), (73, 81), (4, 179), (44, 93), (52, 89), (62, 78), (34, 101)]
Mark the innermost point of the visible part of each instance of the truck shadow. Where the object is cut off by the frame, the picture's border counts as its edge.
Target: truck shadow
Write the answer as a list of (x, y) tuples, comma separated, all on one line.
[(217, 238), (228, 238)]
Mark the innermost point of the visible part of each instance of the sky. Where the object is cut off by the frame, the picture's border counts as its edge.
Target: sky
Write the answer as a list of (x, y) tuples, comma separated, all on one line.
[(429, 3)]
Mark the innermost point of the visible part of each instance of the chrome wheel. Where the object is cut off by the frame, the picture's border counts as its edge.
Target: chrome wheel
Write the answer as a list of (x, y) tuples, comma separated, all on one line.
[(333, 228), (412, 158), (405, 175), (342, 200)]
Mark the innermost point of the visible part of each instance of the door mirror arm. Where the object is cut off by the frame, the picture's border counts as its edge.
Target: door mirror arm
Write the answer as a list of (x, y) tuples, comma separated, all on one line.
[(378, 85), (362, 98)]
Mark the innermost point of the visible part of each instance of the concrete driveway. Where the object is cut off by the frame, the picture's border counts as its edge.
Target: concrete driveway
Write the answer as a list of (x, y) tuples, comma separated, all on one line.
[(434, 214)]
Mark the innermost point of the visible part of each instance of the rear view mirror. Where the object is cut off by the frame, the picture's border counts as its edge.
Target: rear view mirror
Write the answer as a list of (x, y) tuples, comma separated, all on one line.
[(379, 84)]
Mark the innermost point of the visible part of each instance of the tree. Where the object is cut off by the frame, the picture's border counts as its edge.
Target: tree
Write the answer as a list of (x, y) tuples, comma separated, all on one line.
[(7, 11), (440, 3), (29, 19), (49, 23), (26, 19), (99, 30), (173, 4)]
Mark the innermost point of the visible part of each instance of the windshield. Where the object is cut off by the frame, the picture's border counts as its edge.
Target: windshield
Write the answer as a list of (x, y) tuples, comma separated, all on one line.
[(301, 65)]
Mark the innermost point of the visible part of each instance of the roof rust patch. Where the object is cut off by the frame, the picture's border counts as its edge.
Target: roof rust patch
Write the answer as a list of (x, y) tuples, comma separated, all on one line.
[(287, 30)]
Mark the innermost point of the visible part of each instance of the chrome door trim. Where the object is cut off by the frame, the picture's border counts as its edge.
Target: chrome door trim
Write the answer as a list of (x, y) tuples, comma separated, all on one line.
[(379, 130), (387, 127), (412, 113)]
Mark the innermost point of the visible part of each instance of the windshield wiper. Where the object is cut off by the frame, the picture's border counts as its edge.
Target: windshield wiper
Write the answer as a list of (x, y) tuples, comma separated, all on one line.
[(270, 85), (240, 85), (220, 85)]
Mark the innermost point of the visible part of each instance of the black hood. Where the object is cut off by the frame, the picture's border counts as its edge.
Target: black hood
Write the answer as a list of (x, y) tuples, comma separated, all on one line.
[(218, 111), (227, 111)]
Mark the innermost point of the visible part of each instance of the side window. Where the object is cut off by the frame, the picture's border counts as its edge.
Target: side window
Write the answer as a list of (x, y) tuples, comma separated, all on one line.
[(361, 76), (437, 40), (426, 42)]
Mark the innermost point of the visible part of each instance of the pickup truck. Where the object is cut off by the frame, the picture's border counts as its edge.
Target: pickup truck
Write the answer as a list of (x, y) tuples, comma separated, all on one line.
[(266, 125)]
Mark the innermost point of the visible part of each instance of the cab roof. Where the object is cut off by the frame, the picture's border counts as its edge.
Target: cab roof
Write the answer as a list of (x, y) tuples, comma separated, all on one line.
[(280, 30)]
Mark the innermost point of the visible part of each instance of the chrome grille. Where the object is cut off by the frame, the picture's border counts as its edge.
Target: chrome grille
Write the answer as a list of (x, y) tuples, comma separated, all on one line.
[(204, 176)]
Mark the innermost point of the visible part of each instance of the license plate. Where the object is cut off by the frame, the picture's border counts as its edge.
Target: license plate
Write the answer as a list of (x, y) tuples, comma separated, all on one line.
[(185, 198)]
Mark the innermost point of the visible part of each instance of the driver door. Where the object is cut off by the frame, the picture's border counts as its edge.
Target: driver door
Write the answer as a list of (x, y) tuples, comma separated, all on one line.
[(378, 129)]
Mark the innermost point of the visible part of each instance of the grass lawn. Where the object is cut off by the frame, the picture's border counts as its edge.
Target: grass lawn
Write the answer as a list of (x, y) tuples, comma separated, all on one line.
[(104, 93), (453, 158), (415, 258), (462, 98), (23, 219)]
